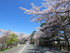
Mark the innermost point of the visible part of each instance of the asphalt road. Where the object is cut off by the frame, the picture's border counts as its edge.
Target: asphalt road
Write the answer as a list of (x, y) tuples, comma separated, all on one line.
[(30, 48), (38, 49)]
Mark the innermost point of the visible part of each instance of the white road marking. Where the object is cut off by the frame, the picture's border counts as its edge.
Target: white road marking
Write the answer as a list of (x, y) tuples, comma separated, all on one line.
[(23, 49)]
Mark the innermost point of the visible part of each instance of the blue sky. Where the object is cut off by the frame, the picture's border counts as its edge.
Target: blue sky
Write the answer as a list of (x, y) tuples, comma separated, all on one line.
[(12, 18)]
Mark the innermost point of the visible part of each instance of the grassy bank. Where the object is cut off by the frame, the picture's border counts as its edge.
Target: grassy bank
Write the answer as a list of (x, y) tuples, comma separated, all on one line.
[(6, 49)]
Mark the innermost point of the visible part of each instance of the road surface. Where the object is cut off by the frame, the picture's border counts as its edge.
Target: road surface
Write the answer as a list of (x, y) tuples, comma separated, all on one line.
[(38, 49), (30, 48)]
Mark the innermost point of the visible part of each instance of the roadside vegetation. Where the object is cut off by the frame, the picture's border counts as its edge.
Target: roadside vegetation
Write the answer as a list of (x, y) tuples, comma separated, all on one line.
[(8, 41)]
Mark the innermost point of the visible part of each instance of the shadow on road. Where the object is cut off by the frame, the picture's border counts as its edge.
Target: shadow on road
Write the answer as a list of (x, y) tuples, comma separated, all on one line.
[(40, 49)]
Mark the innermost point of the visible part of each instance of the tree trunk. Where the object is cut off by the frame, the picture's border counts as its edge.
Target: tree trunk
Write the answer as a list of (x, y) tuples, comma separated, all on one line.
[(68, 44), (2, 47)]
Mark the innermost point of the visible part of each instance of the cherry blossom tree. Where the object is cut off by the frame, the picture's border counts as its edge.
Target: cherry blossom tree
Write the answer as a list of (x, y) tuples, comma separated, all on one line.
[(56, 14), (52, 8), (53, 13)]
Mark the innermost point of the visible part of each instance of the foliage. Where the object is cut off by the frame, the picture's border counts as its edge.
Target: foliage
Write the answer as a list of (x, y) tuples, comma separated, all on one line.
[(42, 24), (12, 39), (56, 15), (33, 33)]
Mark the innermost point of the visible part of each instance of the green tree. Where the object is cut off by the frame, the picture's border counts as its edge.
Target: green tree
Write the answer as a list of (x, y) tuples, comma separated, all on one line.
[(42, 24), (31, 37), (12, 39)]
